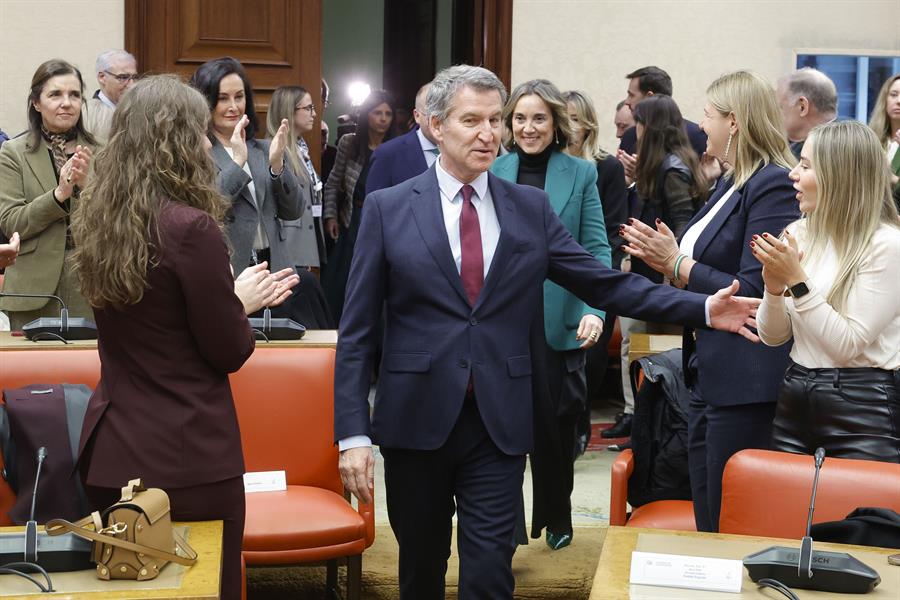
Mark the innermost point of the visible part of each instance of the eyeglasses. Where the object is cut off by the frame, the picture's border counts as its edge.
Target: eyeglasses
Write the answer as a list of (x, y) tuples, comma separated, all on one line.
[(311, 108), (123, 77)]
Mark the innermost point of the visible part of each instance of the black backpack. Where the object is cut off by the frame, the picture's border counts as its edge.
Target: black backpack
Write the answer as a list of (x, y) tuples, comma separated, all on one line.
[(659, 431)]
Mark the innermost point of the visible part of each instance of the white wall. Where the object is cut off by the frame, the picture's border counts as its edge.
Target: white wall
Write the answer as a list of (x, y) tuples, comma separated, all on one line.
[(592, 44), (38, 30)]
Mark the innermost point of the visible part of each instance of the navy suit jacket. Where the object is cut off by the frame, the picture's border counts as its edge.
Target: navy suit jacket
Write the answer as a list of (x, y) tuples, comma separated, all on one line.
[(434, 340), (733, 370), (628, 142), (395, 161)]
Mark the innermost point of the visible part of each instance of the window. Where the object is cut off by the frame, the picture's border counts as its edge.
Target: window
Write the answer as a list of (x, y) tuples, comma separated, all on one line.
[(858, 78)]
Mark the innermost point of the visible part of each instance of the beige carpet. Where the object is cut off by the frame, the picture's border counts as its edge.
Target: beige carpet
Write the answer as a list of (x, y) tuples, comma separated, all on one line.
[(565, 574)]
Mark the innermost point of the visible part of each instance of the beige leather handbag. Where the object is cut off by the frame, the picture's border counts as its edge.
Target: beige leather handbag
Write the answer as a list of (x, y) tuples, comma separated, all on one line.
[(138, 539)]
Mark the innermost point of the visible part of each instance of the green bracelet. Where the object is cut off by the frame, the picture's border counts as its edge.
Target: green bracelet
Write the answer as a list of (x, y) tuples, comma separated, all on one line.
[(678, 260)]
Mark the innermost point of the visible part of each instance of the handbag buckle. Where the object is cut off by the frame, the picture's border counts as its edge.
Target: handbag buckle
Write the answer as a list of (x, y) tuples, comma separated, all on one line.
[(115, 529)]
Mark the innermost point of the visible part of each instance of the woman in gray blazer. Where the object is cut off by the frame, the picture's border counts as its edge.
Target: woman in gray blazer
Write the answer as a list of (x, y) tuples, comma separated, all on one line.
[(250, 172)]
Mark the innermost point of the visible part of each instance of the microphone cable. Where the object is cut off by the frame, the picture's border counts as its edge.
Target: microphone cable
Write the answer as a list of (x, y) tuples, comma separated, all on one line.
[(777, 586)]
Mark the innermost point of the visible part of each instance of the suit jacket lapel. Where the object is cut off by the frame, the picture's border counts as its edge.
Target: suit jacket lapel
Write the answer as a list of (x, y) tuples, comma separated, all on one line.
[(222, 159), (709, 232), (426, 209), (559, 182), (505, 208), (41, 165), (259, 171), (415, 154)]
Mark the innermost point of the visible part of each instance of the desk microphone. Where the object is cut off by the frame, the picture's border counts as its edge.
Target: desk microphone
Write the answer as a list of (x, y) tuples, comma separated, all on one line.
[(808, 569), (62, 329), (276, 329), (31, 525)]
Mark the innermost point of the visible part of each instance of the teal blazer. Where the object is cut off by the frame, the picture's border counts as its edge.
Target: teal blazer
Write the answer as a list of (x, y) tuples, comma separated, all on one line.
[(571, 184)]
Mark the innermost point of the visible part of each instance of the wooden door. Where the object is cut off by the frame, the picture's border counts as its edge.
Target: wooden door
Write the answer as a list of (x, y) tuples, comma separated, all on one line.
[(279, 42)]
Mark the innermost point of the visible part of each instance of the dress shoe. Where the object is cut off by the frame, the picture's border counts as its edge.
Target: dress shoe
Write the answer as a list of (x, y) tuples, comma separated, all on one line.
[(621, 429), (558, 540), (619, 447)]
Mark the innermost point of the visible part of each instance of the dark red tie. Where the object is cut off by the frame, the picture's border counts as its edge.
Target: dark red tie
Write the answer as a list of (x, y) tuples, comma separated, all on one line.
[(471, 270)]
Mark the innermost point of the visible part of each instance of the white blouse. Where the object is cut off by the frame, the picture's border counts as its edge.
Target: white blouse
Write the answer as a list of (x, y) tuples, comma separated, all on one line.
[(690, 237), (867, 334)]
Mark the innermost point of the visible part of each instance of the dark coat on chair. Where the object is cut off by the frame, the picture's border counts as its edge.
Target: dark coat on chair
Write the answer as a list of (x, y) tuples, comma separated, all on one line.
[(163, 409), (395, 161)]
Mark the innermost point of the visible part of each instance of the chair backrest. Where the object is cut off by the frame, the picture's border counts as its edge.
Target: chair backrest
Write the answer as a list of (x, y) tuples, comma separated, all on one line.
[(24, 367), (767, 493), (285, 406)]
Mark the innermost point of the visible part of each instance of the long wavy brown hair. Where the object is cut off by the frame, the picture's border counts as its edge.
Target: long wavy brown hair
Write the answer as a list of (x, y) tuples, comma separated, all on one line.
[(155, 154)]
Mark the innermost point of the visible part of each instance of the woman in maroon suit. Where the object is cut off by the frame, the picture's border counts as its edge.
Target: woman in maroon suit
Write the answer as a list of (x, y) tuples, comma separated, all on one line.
[(172, 321)]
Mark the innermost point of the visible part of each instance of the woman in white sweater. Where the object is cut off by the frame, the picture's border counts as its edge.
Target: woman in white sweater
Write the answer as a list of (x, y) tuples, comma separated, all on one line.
[(833, 284)]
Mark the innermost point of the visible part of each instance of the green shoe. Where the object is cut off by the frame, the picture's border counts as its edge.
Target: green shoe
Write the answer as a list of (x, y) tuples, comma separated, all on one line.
[(558, 540)]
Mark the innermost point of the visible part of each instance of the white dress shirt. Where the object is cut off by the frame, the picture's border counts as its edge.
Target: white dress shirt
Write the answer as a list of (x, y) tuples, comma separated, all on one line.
[(451, 205), (865, 334), (690, 237)]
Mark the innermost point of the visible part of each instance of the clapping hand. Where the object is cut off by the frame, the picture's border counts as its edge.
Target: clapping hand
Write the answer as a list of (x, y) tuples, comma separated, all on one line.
[(711, 167), (9, 252), (74, 173), (629, 162), (656, 247), (277, 146), (256, 287), (239, 141), (780, 261)]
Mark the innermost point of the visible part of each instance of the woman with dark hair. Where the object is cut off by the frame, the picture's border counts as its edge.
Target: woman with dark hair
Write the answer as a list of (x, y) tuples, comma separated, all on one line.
[(345, 191), (250, 172), (536, 115), (167, 305), (41, 176)]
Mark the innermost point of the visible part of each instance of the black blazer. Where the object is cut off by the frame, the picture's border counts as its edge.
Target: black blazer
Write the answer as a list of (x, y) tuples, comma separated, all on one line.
[(628, 142)]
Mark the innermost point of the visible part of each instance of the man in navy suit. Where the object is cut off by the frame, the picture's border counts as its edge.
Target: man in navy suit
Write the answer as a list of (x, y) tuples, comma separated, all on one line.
[(458, 257), (405, 156)]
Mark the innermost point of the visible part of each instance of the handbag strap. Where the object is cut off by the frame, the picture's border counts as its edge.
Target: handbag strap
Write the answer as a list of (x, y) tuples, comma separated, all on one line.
[(61, 526)]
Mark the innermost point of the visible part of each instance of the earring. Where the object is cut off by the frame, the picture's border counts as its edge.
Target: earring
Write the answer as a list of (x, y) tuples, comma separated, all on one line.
[(557, 137), (727, 147)]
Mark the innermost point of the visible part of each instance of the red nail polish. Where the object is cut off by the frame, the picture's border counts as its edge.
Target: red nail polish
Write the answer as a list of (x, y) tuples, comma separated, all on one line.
[(752, 244), (658, 221), (755, 236), (765, 235), (631, 221)]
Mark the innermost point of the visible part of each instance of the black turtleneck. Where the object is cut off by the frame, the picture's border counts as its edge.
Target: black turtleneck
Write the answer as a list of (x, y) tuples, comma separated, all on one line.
[(533, 167)]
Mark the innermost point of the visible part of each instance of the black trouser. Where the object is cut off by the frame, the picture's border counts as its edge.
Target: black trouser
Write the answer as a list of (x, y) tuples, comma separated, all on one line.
[(471, 476), (209, 501), (715, 433), (851, 413)]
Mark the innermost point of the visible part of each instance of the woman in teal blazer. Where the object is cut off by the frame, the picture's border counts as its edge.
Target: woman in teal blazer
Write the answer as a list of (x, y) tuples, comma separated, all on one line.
[(537, 117)]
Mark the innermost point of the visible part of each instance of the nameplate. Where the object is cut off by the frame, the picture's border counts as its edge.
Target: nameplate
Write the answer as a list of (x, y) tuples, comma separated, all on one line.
[(690, 572), (265, 481)]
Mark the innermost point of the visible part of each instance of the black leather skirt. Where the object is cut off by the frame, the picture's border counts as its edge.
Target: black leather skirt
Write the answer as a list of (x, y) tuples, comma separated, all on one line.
[(852, 413)]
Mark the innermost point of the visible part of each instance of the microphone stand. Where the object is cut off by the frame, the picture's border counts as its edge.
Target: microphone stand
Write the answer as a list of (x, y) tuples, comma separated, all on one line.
[(806, 551), (59, 329)]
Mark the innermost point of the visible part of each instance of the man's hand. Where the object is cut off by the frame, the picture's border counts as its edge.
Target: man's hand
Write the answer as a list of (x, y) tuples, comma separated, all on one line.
[(736, 314), (9, 252), (357, 466), (332, 229), (589, 329)]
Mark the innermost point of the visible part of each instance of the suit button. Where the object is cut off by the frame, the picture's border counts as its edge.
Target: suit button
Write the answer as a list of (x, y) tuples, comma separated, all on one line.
[(463, 363), (473, 321), (812, 375)]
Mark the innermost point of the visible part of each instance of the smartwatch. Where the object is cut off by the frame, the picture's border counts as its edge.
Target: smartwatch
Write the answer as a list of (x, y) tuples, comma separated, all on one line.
[(799, 290)]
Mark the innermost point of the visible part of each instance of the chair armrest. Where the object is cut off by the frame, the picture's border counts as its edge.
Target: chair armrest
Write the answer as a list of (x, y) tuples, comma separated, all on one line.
[(618, 496)]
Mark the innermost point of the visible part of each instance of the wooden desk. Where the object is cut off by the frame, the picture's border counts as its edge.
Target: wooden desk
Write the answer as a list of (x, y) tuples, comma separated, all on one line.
[(314, 338), (200, 582), (645, 344), (614, 568)]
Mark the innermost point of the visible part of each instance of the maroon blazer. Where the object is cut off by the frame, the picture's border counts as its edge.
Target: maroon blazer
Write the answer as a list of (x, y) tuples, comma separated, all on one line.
[(163, 409)]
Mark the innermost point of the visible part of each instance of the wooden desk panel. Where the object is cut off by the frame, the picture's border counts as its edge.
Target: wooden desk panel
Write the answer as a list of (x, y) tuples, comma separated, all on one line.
[(646, 344), (200, 582), (614, 568), (314, 338)]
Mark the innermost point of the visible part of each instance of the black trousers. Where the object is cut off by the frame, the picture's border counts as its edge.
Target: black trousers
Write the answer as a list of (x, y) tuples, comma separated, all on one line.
[(714, 434), (468, 475), (210, 501), (851, 413)]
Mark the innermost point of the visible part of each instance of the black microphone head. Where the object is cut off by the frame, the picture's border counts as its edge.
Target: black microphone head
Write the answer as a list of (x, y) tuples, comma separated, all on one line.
[(820, 455), (42, 453)]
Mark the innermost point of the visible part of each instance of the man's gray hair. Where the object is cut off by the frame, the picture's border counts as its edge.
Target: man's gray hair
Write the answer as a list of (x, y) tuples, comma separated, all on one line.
[(105, 60), (815, 86), (452, 79)]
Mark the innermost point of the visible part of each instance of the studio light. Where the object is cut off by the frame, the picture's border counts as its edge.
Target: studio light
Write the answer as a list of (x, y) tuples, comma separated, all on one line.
[(359, 91)]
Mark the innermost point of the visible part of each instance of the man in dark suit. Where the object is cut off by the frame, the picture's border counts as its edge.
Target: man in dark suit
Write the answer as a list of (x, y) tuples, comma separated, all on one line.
[(807, 97), (458, 257), (406, 156), (648, 81)]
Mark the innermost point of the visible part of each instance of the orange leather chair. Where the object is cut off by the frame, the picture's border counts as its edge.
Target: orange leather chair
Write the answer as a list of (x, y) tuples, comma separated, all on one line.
[(767, 493), (285, 405), (662, 514), (24, 367)]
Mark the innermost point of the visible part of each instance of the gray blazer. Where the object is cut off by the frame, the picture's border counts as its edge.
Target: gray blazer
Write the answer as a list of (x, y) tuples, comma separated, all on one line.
[(278, 198), (300, 236)]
